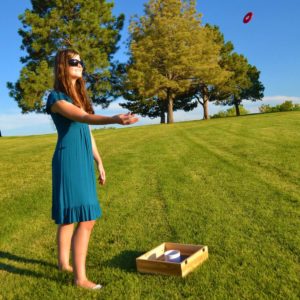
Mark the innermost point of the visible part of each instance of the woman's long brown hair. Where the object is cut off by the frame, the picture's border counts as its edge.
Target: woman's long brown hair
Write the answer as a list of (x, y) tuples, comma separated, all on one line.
[(62, 81)]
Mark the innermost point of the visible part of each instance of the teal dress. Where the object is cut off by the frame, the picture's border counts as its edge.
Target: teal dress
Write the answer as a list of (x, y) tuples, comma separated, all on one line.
[(74, 197)]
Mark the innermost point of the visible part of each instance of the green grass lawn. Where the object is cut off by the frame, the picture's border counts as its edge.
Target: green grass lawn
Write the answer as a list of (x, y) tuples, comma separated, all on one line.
[(231, 184)]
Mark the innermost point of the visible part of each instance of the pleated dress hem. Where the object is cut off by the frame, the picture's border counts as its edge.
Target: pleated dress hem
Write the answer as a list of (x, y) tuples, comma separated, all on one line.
[(78, 214)]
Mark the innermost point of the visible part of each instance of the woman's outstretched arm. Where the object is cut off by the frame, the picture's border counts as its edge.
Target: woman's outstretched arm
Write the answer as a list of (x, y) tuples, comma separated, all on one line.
[(74, 113)]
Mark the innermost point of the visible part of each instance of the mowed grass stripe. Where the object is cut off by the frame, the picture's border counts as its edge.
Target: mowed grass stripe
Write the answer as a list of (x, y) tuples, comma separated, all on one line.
[(244, 154), (140, 200), (176, 164), (193, 225), (283, 184), (238, 199), (186, 182), (284, 204), (26, 184)]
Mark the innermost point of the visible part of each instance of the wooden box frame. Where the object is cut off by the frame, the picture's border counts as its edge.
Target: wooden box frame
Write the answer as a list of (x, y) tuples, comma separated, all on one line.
[(153, 261)]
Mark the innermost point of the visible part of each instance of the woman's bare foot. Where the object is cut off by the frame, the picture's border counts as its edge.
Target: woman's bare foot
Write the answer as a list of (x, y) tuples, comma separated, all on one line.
[(66, 268), (85, 284)]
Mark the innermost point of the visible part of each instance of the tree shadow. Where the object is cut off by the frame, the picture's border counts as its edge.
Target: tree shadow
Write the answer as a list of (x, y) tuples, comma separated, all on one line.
[(125, 261), (15, 270)]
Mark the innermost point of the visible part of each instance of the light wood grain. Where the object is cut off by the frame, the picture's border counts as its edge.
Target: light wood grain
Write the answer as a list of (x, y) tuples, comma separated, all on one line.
[(153, 260)]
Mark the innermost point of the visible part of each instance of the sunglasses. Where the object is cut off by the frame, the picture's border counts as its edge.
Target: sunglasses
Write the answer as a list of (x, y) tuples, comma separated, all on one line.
[(75, 62)]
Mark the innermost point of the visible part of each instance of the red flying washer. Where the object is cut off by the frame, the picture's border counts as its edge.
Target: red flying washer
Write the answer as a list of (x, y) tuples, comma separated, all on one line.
[(248, 17)]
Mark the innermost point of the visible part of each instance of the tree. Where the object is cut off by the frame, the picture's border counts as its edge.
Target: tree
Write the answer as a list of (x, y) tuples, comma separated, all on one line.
[(86, 26), (234, 81), (202, 89), (243, 85), (152, 107), (168, 47), (155, 107)]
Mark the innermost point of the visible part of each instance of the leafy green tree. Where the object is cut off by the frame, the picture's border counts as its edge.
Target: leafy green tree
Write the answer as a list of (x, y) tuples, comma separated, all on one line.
[(254, 92), (152, 107), (169, 48), (155, 107), (86, 26), (243, 85), (237, 81), (205, 89)]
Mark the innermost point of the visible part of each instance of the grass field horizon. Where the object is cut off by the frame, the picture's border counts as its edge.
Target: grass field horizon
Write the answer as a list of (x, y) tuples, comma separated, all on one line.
[(231, 184)]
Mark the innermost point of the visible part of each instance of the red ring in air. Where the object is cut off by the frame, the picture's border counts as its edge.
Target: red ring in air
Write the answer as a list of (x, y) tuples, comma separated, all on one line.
[(248, 17)]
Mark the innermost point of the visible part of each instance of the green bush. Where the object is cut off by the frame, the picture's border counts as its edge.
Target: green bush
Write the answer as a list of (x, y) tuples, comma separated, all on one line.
[(297, 107), (265, 108), (285, 106), (230, 112)]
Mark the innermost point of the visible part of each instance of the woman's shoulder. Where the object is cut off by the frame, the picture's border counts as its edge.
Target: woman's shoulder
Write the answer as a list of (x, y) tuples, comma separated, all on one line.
[(58, 95), (55, 96)]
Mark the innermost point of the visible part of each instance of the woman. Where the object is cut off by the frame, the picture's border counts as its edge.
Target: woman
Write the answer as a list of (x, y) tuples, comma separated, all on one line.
[(74, 198)]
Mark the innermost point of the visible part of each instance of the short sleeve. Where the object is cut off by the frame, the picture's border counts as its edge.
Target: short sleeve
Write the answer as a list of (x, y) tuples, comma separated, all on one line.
[(53, 97)]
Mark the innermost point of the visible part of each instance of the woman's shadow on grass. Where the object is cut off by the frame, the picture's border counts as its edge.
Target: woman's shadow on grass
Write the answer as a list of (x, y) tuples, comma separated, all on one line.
[(15, 270), (125, 261)]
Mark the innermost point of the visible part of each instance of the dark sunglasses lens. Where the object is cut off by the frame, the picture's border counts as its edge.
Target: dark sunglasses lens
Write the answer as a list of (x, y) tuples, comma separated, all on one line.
[(75, 62)]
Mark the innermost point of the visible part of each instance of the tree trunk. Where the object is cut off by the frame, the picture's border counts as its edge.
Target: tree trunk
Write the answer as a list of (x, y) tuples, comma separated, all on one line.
[(237, 108), (162, 117), (170, 109), (205, 108), (204, 92)]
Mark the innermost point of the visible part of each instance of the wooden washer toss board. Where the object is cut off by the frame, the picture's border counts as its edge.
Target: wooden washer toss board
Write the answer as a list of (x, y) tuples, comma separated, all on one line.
[(153, 261)]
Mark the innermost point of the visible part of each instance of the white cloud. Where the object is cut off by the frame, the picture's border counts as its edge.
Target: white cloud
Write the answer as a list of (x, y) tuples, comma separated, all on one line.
[(280, 99)]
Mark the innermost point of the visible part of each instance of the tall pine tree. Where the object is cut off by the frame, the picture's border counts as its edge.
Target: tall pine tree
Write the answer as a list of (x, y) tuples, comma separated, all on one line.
[(152, 107), (87, 26), (202, 89), (240, 80), (168, 47)]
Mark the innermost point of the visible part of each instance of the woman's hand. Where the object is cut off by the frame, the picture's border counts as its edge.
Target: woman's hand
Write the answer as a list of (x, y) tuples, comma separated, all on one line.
[(125, 119), (101, 177)]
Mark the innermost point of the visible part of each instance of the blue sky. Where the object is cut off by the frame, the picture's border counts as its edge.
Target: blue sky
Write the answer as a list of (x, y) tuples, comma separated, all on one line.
[(271, 42)]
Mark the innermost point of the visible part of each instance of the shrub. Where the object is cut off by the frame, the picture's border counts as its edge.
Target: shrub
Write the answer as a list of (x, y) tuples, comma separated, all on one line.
[(230, 112), (285, 106), (265, 108), (297, 107)]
